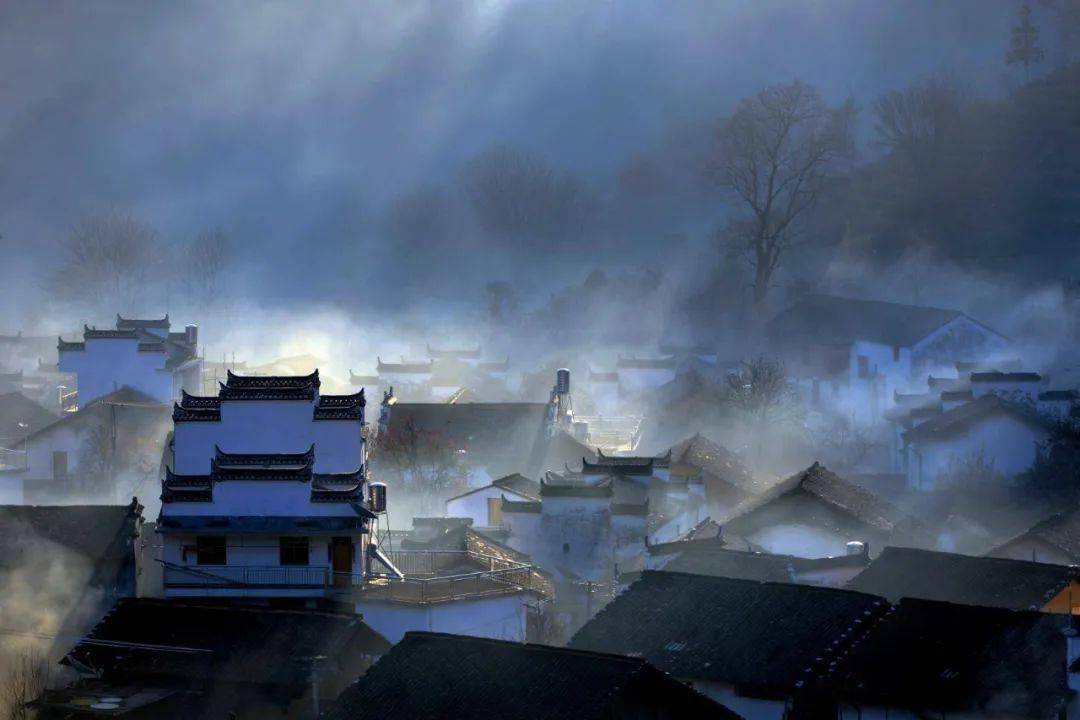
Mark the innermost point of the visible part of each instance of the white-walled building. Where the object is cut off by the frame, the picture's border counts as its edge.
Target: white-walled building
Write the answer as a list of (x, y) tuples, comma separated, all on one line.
[(101, 454), (997, 435), (483, 505), (853, 355), (140, 354), (264, 492)]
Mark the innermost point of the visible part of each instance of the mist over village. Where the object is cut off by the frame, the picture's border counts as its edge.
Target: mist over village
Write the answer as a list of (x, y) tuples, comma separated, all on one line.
[(540, 360)]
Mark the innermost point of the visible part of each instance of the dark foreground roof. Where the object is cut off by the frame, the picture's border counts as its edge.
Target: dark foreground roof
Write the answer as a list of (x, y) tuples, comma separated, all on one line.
[(765, 636), (100, 533), (20, 416), (701, 558), (140, 637), (429, 676), (926, 655), (840, 319), (992, 582)]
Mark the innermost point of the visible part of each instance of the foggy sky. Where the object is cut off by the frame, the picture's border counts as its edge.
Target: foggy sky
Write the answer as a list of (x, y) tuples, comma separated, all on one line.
[(292, 125)]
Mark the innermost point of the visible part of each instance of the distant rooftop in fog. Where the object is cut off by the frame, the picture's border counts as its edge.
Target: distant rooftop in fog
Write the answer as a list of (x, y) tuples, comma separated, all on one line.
[(842, 319)]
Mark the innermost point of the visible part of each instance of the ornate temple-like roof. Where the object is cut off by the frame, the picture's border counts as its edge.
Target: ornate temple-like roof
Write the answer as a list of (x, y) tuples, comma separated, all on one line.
[(271, 381), (95, 334), (224, 459)]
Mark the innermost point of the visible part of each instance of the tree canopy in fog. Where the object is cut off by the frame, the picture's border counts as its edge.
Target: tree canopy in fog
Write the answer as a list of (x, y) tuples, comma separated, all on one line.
[(774, 156)]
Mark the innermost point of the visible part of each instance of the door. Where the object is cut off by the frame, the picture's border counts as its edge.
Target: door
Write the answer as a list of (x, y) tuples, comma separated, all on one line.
[(494, 511), (341, 560)]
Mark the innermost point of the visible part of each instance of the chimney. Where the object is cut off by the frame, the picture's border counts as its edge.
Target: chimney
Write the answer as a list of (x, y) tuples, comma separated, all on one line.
[(191, 335)]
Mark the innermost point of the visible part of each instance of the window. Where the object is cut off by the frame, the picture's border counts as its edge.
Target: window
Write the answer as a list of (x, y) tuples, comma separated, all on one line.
[(293, 551), (566, 547), (864, 366), (59, 465), (896, 353), (210, 550)]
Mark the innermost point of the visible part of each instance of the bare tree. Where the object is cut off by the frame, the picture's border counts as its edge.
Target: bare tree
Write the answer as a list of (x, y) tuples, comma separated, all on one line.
[(204, 264), (516, 196), (764, 398), (108, 258), (429, 463), (1024, 43), (774, 155), (500, 300), (25, 677), (919, 121)]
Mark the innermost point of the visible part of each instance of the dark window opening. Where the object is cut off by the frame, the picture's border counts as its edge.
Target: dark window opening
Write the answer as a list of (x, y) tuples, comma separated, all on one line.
[(864, 366), (566, 547), (210, 550), (293, 551), (896, 353), (59, 465)]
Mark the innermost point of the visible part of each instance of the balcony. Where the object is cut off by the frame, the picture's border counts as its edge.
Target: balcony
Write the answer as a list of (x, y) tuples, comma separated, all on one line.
[(431, 576)]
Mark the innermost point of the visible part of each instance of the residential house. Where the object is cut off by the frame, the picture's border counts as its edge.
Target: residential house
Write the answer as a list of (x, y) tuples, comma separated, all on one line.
[(583, 536), (1055, 539), (816, 513), (263, 494), (973, 441), (434, 675), (108, 451), (166, 659), (853, 355), (726, 480), (988, 581), (779, 650), (141, 354), (483, 505)]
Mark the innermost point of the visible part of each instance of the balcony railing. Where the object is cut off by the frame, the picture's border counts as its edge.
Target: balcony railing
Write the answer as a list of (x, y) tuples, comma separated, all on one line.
[(430, 576), (452, 587), (246, 576)]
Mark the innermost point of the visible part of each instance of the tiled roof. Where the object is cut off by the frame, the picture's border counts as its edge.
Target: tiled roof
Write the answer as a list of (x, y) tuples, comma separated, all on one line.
[(936, 658), (266, 392), (355, 379), (1061, 531), (716, 461), (738, 564), (90, 333), (430, 676), (818, 484), (992, 582), (403, 367), (224, 459), (602, 489), (519, 484), (123, 323), (232, 644), (761, 636), (964, 416), (272, 381), (1005, 377), (840, 319)]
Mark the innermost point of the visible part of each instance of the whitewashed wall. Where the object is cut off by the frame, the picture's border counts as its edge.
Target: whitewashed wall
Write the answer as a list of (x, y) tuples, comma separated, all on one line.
[(108, 364), (500, 618)]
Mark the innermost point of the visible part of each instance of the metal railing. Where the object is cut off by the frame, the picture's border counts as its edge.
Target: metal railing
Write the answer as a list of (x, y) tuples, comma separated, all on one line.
[(451, 587), (246, 576)]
